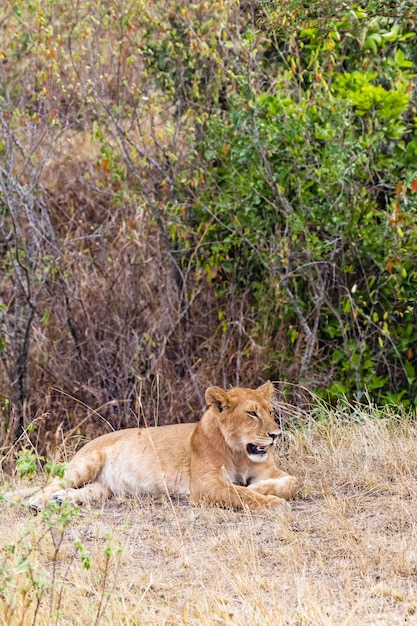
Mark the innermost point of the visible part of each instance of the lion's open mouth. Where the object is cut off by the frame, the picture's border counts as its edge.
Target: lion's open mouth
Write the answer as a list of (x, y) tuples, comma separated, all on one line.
[(252, 449)]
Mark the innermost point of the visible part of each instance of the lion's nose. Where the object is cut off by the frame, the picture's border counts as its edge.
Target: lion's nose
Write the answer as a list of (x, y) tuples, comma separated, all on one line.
[(273, 435)]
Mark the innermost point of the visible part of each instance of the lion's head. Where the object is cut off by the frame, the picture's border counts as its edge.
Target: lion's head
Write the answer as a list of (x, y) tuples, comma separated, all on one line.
[(245, 418)]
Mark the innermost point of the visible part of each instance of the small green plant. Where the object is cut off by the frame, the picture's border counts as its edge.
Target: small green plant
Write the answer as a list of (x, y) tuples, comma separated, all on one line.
[(111, 552), (85, 556), (24, 583), (28, 463), (33, 586), (54, 469)]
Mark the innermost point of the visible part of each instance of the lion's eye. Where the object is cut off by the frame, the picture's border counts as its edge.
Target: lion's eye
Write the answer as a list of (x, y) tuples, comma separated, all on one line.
[(253, 414)]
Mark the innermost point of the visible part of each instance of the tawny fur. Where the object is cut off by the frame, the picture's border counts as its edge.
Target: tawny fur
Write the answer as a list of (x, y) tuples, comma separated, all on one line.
[(226, 458)]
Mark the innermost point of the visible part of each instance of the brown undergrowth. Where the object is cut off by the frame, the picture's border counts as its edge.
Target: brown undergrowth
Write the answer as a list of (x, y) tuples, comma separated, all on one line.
[(344, 554), (119, 322)]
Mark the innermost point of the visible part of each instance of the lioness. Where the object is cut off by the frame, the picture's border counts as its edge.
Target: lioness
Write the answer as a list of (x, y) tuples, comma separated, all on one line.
[(226, 458)]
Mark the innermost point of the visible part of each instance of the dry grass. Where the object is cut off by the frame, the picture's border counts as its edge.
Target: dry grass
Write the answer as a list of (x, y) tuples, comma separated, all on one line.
[(346, 553)]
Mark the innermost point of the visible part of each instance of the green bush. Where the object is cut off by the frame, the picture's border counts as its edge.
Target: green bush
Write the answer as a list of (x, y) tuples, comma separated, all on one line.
[(309, 202)]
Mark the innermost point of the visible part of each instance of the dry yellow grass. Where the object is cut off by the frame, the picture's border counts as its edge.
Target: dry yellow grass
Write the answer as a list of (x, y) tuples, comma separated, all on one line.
[(346, 552)]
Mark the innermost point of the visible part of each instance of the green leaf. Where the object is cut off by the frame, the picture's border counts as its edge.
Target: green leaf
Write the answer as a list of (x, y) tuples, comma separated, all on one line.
[(411, 374)]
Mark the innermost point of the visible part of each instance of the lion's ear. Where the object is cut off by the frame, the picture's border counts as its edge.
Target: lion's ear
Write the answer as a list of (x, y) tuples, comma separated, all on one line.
[(267, 390), (217, 398)]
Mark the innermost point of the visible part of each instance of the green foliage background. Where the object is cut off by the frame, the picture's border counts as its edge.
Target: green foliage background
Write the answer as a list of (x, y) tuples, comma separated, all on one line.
[(199, 193)]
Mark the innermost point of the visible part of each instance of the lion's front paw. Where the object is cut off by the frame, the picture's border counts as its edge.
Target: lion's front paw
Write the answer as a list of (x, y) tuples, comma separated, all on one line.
[(262, 502), (292, 485), (273, 502)]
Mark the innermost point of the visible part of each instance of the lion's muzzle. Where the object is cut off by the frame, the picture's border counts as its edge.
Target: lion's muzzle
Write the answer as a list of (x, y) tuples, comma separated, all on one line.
[(252, 449)]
